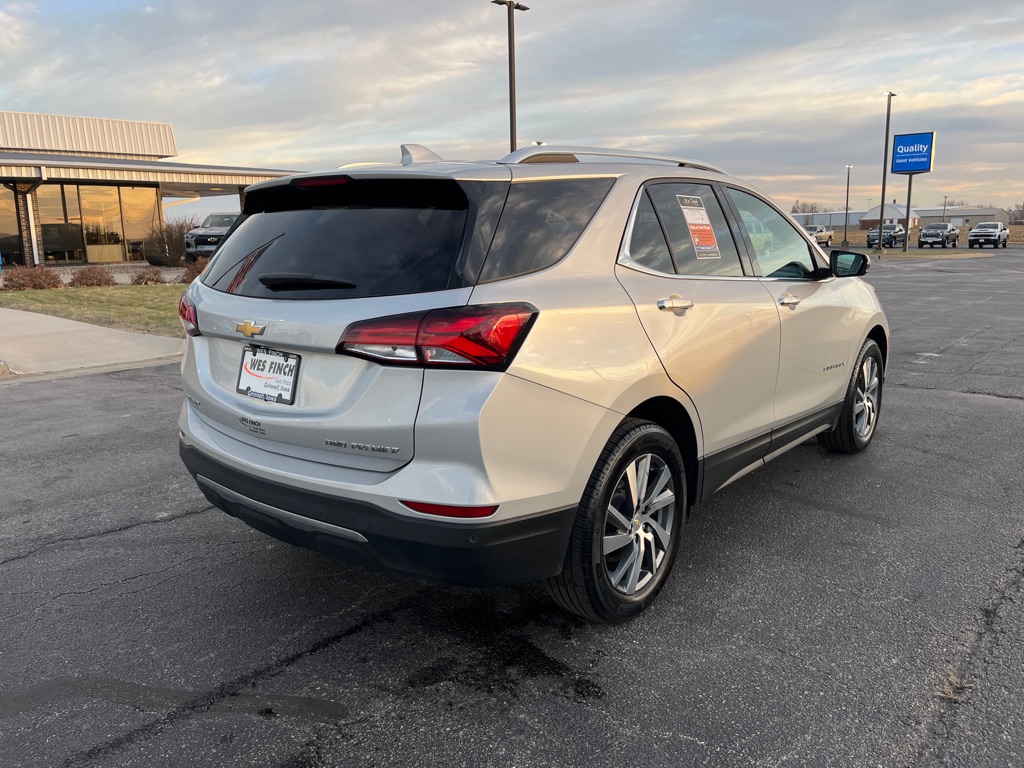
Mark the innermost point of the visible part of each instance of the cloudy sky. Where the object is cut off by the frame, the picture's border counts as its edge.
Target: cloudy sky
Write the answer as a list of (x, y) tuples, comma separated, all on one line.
[(783, 93)]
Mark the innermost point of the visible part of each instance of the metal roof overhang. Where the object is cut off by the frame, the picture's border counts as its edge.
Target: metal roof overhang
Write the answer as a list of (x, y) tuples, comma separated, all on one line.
[(174, 179)]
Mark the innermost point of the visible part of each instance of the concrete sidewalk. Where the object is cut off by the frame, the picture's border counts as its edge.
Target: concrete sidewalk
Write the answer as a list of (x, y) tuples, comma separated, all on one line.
[(33, 343)]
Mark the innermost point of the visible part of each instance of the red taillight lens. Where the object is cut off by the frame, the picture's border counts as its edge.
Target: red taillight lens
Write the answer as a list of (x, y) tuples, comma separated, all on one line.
[(189, 319), (447, 510), (321, 181), (484, 336)]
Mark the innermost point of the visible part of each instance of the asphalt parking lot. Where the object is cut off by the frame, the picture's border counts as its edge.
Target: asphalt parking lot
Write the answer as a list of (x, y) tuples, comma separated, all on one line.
[(824, 610)]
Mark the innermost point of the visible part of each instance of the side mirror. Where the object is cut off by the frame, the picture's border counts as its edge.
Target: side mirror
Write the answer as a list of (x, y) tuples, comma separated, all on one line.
[(848, 263)]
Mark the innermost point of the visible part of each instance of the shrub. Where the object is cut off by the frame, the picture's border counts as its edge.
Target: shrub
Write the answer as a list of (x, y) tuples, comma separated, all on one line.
[(30, 279), (92, 277), (148, 276), (165, 245), (194, 270)]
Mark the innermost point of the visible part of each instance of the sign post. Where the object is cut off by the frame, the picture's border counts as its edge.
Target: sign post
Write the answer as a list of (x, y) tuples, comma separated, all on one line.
[(912, 153)]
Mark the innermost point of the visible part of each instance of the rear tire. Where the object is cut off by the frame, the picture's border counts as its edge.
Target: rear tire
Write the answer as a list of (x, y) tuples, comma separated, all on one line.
[(862, 405), (627, 528)]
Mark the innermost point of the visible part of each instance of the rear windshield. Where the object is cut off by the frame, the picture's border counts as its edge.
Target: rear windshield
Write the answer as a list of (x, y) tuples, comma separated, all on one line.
[(355, 239)]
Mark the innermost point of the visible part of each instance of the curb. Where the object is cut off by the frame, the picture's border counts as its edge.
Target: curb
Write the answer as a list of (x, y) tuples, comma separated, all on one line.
[(89, 371)]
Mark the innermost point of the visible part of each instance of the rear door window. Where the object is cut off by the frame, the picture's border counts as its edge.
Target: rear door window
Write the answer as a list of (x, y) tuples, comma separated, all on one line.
[(357, 238), (697, 231)]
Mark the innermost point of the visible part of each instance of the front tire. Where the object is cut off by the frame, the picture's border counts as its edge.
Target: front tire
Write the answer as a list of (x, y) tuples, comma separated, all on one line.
[(627, 529), (862, 405)]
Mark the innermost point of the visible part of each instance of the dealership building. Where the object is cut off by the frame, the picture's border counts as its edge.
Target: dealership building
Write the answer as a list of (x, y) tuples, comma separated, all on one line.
[(82, 190)]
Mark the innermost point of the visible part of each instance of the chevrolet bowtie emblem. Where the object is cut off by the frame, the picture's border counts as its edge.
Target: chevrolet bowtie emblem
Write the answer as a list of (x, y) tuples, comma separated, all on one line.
[(250, 329)]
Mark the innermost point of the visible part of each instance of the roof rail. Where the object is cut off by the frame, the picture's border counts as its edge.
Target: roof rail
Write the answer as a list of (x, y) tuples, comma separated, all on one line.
[(560, 154), (417, 153)]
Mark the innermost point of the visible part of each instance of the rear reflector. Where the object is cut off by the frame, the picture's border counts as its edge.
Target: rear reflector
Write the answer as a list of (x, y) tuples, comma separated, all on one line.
[(447, 510), (484, 336), (188, 316)]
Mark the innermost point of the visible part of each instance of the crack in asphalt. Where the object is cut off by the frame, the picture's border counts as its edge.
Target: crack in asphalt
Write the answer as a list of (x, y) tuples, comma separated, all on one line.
[(119, 582), (107, 532), (1017, 398), (971, 662), (235, 687), (156, 697)]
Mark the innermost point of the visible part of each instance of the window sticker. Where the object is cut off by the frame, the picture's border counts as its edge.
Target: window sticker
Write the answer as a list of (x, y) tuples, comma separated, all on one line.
[(703, 236)]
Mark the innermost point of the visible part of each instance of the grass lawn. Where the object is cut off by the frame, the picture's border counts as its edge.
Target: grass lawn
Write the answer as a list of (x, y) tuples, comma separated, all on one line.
[(140, 308)]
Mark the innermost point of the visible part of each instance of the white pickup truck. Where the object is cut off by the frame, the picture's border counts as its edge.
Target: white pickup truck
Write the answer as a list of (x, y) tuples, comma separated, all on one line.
[(822, 234)]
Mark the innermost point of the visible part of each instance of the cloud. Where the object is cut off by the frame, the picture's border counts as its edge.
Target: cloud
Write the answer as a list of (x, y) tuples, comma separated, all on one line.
[(784, 93)]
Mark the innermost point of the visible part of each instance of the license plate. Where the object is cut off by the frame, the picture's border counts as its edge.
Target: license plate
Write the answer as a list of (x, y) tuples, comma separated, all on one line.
[(268, 374)]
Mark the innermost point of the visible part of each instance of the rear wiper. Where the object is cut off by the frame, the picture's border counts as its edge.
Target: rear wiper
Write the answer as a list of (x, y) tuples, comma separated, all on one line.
[(300, 281)]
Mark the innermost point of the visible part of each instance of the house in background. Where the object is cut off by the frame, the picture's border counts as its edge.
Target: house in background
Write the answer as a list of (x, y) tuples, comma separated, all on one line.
[(77, 190), (894, 214)]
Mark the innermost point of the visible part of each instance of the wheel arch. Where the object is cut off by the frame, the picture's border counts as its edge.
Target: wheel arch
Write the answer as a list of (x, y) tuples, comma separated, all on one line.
[(881, 338), (674, 418)]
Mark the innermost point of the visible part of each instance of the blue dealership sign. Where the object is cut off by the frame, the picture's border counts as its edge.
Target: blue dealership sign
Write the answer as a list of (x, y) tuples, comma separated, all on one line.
[(913, 152)]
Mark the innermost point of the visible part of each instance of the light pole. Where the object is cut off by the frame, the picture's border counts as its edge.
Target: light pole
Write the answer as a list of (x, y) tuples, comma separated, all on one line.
[(512, 6), (846, 218), (885, 170), (944, 199)]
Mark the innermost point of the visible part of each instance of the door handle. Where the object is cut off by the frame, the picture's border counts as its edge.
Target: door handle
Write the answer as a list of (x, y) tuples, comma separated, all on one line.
[(674, 302), (789, 300)]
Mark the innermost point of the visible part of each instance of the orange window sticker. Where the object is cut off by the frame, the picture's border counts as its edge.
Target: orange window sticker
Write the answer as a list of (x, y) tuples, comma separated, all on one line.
[(701, 232)]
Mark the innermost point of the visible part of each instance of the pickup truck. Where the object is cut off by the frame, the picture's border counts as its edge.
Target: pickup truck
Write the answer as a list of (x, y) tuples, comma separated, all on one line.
[(992, 233), (822, 234), (935, 234), (893, 235)]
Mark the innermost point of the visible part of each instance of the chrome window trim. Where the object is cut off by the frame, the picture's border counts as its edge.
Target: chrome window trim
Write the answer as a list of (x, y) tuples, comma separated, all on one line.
[(626, 261)]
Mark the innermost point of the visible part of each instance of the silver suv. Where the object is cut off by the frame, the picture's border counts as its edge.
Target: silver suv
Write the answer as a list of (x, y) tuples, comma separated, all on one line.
[(529, 369)]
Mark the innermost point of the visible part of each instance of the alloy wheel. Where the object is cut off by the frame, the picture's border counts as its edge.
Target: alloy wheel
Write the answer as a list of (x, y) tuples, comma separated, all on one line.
[(638, 524), (865, 406)]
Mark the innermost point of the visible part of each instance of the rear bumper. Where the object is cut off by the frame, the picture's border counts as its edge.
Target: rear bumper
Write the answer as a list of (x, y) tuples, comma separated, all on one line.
[(471, 554)]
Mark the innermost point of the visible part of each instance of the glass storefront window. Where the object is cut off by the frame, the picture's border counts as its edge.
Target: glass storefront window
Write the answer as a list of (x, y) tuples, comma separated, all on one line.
[(140, 209), (10, 236), (101, 215), (62, 231)]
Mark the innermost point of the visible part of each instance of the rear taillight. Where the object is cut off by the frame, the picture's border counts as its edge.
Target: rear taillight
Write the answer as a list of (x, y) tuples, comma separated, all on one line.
[(189, 319), (484, 336)]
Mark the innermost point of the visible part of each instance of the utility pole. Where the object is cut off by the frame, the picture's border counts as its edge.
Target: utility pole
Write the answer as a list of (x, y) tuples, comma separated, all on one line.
[(885, 171), (846, 218), (944, 199), (512, 6)]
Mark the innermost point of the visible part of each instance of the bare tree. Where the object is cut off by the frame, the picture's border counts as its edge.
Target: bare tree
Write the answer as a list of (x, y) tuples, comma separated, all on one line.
[(165, 245), (799, 207)]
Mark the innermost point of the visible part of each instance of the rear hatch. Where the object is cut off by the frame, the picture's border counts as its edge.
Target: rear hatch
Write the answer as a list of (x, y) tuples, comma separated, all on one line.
[(310, 257)]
